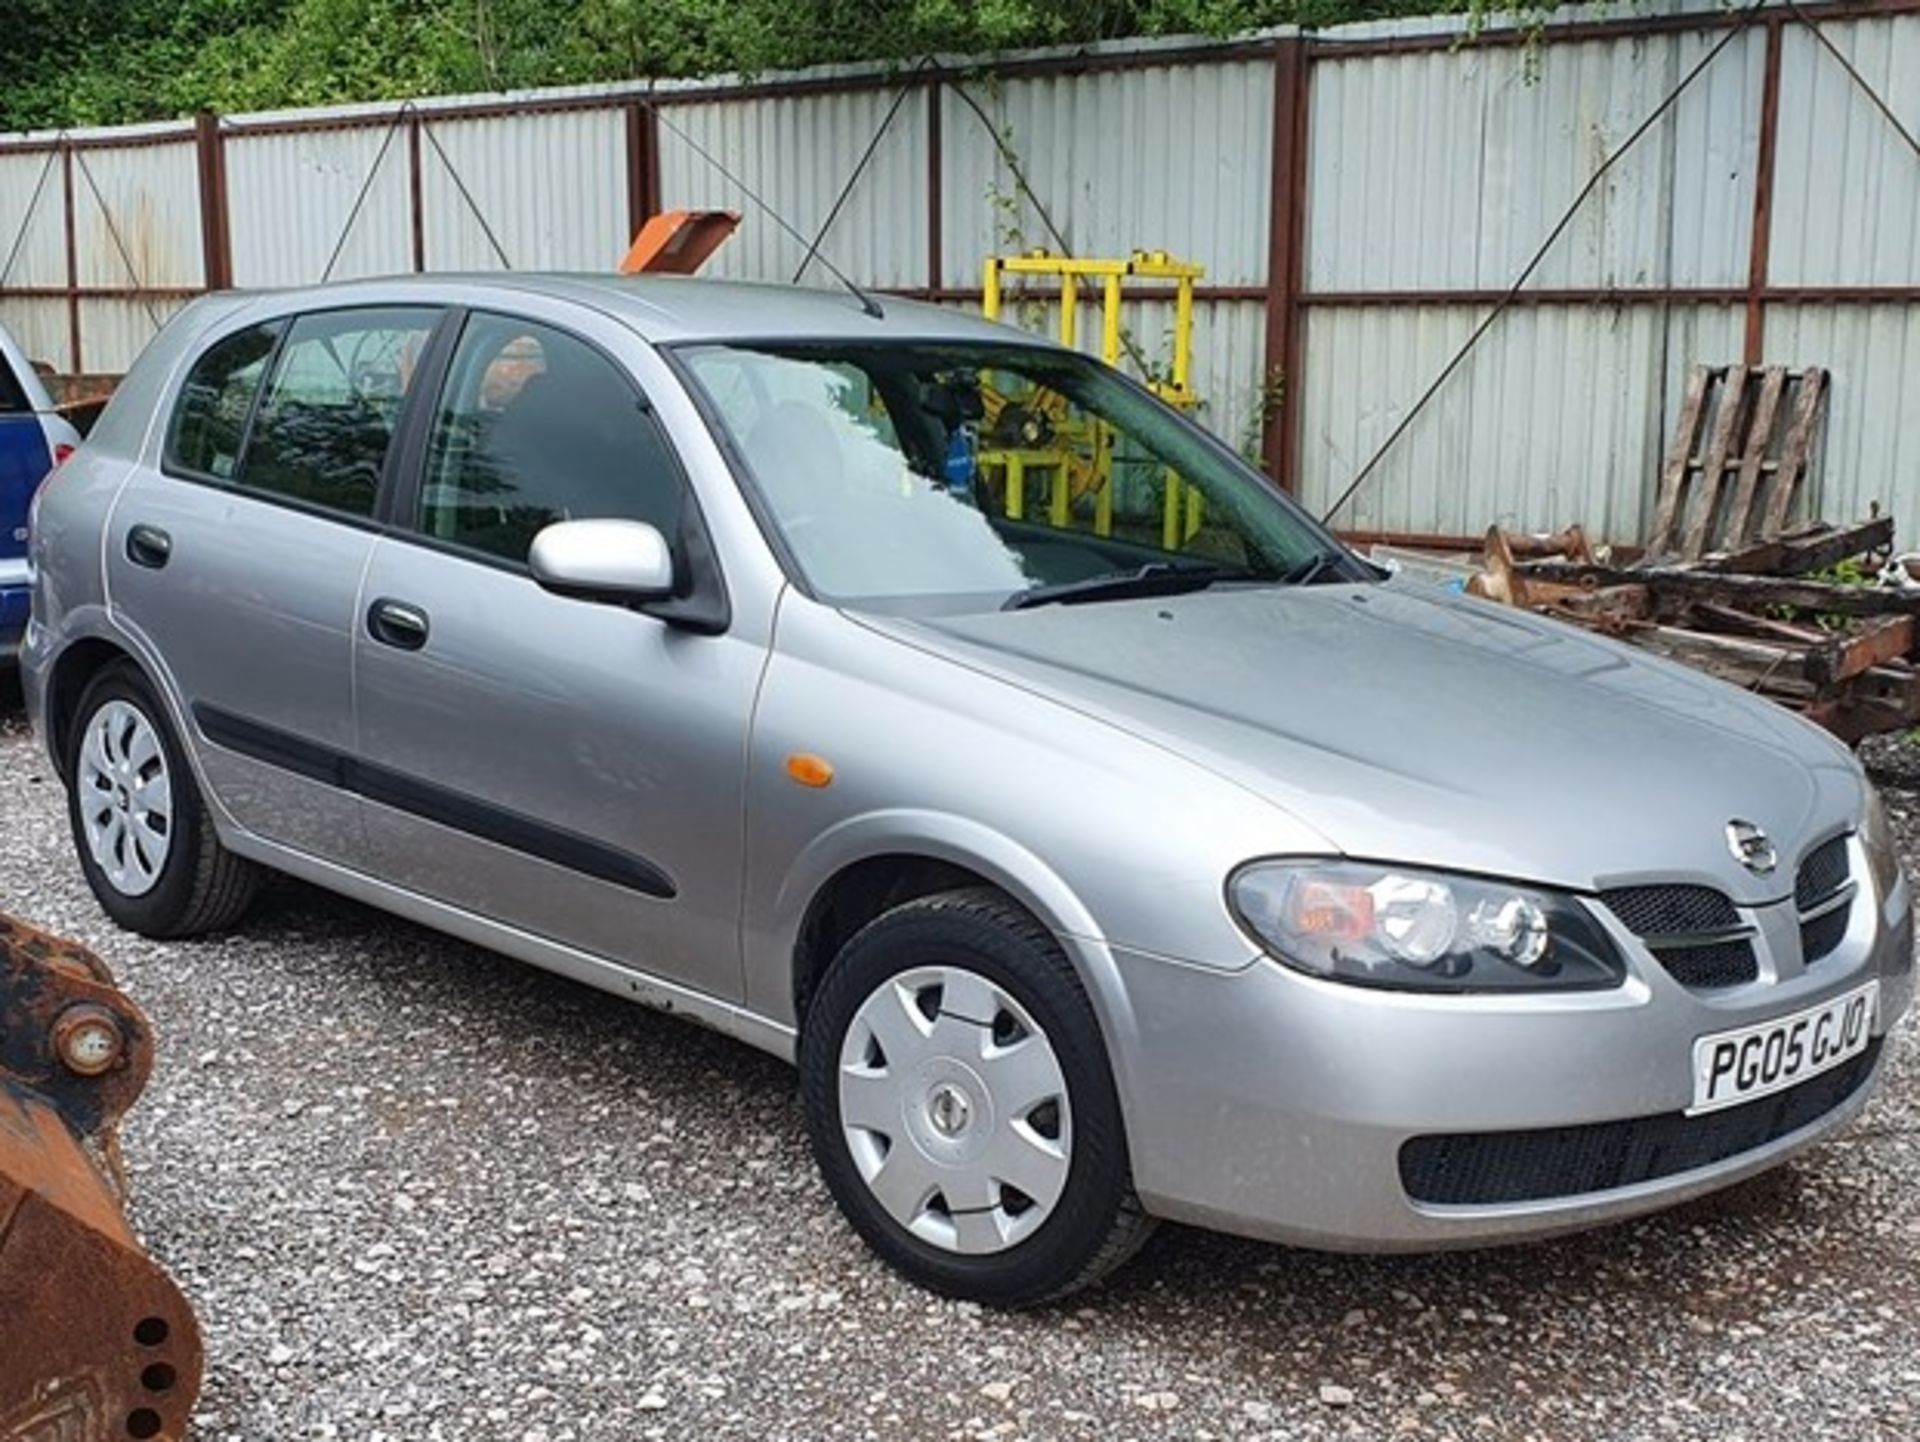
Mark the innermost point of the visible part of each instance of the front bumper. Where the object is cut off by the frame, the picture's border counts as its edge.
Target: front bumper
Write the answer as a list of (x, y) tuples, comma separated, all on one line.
[(1272, 1104)]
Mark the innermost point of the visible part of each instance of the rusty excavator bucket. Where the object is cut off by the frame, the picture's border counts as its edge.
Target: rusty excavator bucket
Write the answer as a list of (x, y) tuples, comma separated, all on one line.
[(96, 1341)]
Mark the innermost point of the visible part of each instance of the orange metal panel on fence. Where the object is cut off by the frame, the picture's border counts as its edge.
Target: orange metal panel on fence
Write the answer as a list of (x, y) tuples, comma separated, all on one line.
[(678, 242)]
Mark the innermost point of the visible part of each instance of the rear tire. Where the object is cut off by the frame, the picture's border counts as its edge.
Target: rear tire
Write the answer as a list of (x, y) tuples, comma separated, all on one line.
[(949, 1049), (145, 841)]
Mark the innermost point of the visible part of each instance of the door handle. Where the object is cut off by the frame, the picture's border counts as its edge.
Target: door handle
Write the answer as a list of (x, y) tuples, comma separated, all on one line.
[(149, 546), (395, 623)]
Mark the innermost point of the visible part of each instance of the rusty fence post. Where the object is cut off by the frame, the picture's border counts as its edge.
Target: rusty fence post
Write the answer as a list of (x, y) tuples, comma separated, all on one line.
[(936, 191), (416, 191), (643, 165), (1286, 263), (216, 225), (1760, 244), (75, 365)]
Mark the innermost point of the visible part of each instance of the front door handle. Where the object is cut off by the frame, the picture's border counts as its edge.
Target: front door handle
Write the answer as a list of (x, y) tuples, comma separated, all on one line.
[(149, 546), (395, 623)]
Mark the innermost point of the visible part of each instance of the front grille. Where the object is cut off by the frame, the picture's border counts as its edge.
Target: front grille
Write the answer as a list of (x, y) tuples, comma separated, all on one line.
[(1824, 875), (1714, 964), (1670, 910), (1823, 935), (1824, 872), (1489, 1168), (1716, 953)]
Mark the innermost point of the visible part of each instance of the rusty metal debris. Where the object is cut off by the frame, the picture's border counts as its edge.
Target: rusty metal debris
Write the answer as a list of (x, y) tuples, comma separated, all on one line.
[(1725, 582), (1844, 654), (98, 1341)]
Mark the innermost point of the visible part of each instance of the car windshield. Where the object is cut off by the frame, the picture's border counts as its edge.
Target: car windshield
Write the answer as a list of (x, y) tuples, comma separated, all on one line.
[(931, 476)]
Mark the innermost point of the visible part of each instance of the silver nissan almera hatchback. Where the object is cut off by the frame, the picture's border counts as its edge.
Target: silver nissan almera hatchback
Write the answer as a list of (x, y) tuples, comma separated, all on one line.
[(936, 708)]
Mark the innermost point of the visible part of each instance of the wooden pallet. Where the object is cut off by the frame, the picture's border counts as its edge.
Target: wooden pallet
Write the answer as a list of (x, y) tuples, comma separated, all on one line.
[(1739, 456)]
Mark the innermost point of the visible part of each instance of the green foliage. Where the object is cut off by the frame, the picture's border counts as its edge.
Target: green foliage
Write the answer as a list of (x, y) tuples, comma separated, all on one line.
[(1268, 398), (74, 62), (1849, 571)]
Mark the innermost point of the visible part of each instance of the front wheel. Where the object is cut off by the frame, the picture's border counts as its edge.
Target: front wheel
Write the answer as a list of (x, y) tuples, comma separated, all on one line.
[(145, 840), (962, 1108)]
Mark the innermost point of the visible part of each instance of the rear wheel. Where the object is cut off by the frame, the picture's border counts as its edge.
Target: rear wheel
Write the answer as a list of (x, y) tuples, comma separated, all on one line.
[(961, 1105), (145, 841)]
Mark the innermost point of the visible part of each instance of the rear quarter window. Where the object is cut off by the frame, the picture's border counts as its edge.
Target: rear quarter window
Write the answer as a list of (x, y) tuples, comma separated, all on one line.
[(210, 418), (323, 426)]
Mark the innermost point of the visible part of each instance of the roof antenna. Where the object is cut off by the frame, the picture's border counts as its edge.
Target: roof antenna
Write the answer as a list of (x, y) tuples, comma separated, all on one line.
[(867, 302)]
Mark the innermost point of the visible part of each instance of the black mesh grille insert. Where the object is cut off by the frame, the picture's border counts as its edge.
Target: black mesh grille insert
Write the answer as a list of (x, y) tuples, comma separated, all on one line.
[(1821, 874), (1718, 963), (1670, 910), (1657, 911), (1488, 1168), (1823, 934)]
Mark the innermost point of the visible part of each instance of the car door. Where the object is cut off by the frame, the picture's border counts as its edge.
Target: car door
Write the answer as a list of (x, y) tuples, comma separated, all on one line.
[(568, 766), (239, 560)]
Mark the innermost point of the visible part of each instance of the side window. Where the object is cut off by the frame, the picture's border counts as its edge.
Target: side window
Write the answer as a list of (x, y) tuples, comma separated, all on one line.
[(330, 409), (210, 418), (535, 427)]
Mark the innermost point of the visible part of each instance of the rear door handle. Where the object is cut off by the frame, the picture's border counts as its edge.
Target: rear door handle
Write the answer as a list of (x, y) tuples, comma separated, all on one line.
[(149, 546), (395, 623)]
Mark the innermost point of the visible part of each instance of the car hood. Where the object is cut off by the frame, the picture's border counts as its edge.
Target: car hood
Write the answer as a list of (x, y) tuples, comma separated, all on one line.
[(1411, 724)]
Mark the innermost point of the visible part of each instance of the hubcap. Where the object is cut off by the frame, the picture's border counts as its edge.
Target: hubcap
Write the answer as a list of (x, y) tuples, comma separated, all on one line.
[(125, 798), (954, 1108)]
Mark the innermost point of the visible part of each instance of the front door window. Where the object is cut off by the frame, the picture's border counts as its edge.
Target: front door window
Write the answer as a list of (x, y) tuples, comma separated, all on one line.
[(536, 426)]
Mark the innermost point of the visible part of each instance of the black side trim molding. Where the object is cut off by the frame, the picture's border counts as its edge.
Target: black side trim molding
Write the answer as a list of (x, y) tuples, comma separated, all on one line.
[(274, 746), (438, 804)]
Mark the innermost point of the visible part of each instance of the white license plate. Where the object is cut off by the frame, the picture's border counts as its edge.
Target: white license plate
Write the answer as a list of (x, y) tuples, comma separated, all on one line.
[(1730, 1067)]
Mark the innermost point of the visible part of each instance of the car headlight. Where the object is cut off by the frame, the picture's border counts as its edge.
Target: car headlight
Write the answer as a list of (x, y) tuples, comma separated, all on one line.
[(1882, 846), (1412, 930)]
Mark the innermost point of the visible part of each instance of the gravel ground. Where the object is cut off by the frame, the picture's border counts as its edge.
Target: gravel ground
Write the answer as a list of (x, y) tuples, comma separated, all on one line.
[(417, 1191)]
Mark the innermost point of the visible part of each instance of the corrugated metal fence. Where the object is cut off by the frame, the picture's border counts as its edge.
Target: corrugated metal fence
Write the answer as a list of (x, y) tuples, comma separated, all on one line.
[(1360, 197)]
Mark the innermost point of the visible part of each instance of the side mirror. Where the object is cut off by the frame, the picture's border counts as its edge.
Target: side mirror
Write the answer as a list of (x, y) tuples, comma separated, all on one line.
[(603, 559)]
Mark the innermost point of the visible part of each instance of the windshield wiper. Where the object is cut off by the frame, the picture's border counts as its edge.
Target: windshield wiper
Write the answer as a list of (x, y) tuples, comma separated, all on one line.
[(1313, 568), (1155, 578)]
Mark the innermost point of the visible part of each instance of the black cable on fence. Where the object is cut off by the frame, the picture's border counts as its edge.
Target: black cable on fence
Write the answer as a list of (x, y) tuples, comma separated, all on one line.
[(765, 207), (353, 215), (113, 234), (400, 117), (26, 221), (465, 194), (873, 145), (1847, 65), (1014, 168), (1513, 291)]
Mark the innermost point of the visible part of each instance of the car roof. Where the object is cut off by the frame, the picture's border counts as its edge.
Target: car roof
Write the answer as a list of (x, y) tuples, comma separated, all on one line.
[(667, 309)]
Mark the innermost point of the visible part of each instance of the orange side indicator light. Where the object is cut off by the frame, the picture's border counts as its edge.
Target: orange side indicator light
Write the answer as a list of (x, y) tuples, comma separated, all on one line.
[(1322, 908), (810, 770)]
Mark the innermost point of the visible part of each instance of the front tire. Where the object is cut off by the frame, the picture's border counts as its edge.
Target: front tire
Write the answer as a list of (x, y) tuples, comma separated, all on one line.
[(140, 827), (962, 1108)]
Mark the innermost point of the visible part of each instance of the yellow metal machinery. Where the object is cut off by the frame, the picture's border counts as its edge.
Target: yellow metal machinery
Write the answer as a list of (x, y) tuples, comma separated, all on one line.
[(1035, 435), (1032, 435)]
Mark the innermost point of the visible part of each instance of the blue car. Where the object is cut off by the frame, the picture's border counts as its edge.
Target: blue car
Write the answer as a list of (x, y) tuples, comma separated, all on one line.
[(33, 440)]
